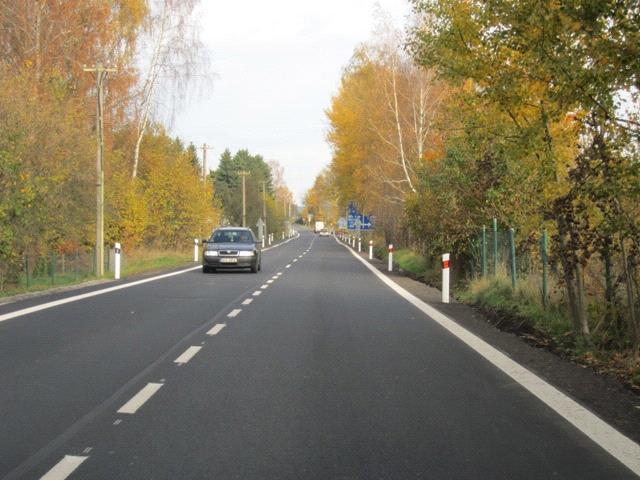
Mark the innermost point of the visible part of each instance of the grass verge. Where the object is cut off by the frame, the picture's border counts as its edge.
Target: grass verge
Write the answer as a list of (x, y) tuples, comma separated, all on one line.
[(145, 260)]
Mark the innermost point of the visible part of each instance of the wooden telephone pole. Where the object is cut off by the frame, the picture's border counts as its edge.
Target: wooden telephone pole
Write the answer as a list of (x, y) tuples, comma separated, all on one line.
[(204, 147), (264, 204), (101, 75), (243, 174)]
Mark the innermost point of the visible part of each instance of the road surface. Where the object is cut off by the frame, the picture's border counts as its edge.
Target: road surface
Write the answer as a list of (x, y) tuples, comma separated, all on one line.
[(311, 369)]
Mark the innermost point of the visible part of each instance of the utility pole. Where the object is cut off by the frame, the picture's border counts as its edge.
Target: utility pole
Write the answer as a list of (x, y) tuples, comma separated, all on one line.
[(243, 174), (264, 204), (101, 75), (204, 147)]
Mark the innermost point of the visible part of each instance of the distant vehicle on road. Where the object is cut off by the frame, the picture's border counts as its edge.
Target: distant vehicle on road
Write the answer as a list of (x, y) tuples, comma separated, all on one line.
[(324, 232), (319, 227), (231, 247)]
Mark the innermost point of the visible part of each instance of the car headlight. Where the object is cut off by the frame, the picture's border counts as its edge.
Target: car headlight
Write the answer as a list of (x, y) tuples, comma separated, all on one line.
[(211, 253), (245, 253)]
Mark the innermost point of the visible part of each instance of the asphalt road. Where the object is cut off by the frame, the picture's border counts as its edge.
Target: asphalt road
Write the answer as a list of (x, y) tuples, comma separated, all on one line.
[(325, 374)]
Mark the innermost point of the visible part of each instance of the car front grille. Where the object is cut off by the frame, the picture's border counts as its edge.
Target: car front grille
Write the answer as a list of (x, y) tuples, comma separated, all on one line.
[(228, 253)]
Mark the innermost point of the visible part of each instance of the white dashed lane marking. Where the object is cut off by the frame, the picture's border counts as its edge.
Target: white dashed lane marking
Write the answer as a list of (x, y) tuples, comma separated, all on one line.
[(257, 293), (64, 468), (270, 281), (140, 398), (247, 301), (188, 354), (234, 313), (264, 286), (216, 329), (288, 266)]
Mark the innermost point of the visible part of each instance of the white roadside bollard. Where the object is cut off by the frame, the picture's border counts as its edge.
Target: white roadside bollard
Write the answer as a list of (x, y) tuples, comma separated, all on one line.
[(270, 238), (390, 266), (370, 249), (195, 249), (359, 245), (283, 235), (263, 241), (118, 250), (445, 278)]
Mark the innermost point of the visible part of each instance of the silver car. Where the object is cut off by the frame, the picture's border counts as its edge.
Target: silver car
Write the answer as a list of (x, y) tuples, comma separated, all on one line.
[(231, 247)]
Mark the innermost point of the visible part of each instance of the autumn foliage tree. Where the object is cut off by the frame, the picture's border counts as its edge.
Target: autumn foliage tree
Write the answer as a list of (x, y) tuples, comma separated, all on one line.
[(47, 136)]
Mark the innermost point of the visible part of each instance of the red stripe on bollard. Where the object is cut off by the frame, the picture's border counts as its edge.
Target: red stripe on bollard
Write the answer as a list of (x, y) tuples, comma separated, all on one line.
[(445, 264)]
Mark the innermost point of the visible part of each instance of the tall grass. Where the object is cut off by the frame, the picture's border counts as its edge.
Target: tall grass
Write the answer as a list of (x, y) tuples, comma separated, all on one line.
[(525, 302)]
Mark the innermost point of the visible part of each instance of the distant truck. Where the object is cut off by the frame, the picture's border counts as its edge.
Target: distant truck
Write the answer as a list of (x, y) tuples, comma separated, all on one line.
[(319, 227)]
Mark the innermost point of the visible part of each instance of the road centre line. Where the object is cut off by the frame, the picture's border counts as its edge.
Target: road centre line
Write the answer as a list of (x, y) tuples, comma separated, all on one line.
[(270, 281), (247, 301), (295, 260), (279, 273), (216, 329), (265, 286), (234, 313), (288, 266), (64, 468), (140, 398), (188, 354), (275, 277), (257, 293), (608, 438)]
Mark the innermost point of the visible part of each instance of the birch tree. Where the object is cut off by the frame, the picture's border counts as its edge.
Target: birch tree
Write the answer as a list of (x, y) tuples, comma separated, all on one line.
[(174, 59)]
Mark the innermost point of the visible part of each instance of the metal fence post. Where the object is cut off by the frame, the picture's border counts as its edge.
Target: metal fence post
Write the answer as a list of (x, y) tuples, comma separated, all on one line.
[(484, 251), (53, 267), (495, 246), (513, 257), (545, 264), (75, 269), (26, 262)]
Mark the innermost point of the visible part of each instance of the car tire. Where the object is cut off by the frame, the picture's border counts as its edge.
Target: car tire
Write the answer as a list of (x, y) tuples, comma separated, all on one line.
[(254, 268), (205, 269)]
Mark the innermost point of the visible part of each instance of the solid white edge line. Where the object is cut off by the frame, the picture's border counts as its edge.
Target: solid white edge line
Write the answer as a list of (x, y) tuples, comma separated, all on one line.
[(75, 298), (234, 313), (615, 443), (140, 398), (247, 301), (216, 329), (187, 355), (64, 468)]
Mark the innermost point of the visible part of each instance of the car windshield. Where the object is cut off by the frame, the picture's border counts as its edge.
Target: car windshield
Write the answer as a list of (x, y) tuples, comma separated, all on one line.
[(232, 236)]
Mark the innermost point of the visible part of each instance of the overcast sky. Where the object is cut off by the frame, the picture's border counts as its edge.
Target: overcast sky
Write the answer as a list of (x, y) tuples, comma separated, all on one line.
[(277, 64)]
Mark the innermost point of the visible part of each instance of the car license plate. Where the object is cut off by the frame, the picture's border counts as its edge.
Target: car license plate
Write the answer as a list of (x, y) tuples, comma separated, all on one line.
[(228, 260)]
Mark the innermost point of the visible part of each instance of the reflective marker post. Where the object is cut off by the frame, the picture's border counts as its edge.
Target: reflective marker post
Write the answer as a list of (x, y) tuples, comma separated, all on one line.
[(195, 249), (359, 245), (118, 250), (445, 278), (370, 249), (390, 266)]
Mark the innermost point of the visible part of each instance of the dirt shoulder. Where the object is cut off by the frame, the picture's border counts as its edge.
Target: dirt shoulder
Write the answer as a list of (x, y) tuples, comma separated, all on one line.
[(603, 394)]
